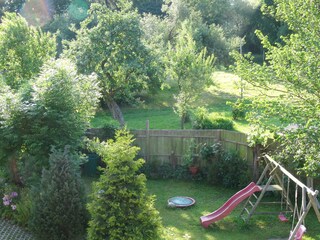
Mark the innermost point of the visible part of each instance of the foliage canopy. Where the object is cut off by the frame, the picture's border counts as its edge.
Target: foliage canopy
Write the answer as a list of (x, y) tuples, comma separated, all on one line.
[(23, 50), (190, 70), (295, 65), (109, 44)]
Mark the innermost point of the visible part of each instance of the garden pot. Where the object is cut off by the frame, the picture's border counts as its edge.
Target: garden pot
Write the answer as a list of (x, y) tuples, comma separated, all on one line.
[(193, 170)]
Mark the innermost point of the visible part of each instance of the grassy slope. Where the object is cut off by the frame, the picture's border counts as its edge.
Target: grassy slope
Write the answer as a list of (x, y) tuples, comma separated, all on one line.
[(158, 108), (185, 224)]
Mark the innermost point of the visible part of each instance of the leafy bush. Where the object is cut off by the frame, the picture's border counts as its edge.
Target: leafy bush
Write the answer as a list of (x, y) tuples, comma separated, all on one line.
[(239, 108), (216, 123), (55, 110), (211, 155), (222, 168), (120, 207), (221, 123), (109, 130), (23, 208), (203, 121), (59, 208), (232, 171), (9, 201)]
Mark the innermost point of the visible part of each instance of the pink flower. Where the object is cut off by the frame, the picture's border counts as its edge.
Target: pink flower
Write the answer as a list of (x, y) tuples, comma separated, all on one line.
[(6, 203), (6, 198), (14, 207), (14, 194)]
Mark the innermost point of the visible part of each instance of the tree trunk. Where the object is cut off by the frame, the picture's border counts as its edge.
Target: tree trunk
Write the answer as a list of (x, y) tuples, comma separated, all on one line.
[(14, 169), (183, 119), (115, 110)]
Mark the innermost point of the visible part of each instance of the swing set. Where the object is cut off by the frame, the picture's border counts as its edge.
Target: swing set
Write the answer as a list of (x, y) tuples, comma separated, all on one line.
[(277, 178)]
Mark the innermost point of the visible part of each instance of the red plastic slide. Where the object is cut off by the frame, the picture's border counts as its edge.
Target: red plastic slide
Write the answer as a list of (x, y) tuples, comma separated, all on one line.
[(226, 208)]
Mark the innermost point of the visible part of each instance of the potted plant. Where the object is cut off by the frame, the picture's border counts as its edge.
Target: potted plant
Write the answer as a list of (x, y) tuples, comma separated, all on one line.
[(193, 169), (191, 161)]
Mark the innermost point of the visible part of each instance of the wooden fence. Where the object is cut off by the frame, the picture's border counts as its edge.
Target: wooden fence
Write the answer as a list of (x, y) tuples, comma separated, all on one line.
[(164, 145)]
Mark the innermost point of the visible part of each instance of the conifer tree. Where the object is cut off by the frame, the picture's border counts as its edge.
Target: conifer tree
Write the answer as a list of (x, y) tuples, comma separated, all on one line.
[(120, 207), (59, 209)]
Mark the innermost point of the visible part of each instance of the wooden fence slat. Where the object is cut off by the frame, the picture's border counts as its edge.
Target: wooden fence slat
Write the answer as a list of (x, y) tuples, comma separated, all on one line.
[(167, 142)]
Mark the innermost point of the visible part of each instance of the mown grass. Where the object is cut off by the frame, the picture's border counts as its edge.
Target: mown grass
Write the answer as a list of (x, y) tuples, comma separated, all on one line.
[(181, 224), (158, 108)]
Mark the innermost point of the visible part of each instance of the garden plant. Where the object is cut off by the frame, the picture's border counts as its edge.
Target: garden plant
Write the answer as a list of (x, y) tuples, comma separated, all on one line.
[(121, 63)]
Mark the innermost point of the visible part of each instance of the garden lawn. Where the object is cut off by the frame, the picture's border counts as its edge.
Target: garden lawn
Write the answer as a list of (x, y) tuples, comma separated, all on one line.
[(185, 223), (158, 107)]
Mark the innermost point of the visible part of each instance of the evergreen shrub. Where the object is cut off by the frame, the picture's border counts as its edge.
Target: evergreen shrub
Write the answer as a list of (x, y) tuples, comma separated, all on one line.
[(120, 207), (58, 211)]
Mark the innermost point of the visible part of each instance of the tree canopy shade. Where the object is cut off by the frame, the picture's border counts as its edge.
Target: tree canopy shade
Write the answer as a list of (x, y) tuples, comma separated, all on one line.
[(23, 50), (294, 65), (109, 44)]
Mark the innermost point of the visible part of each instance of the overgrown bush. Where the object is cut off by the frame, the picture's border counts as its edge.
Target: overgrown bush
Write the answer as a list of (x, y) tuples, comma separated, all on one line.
[(120, 207), (59, 208), (211, 155), (203, 121), (232, 171), (239, 108), (224, 168)]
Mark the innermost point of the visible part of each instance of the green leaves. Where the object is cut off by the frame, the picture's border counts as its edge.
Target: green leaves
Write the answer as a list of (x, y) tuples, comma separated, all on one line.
[(292, 70), (109, 44), (189, 70), (120, 207), (54, 111), (58, 206), (23, 50)]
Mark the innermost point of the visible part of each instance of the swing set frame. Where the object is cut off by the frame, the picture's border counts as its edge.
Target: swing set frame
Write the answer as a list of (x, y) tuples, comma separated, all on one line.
[(274, 173)]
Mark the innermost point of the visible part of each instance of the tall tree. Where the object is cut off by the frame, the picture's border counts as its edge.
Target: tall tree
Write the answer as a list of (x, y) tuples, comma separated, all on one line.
[(295, 66), (161, 30), (109, 43), (23, 50), (189, 69)]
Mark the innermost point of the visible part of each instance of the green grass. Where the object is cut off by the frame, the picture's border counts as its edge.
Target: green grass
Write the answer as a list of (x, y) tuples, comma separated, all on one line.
[(163, 118), (181, 224), (158, 108)]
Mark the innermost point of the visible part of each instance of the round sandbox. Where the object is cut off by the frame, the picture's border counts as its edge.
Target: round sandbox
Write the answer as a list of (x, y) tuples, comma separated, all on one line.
[(181, 202)]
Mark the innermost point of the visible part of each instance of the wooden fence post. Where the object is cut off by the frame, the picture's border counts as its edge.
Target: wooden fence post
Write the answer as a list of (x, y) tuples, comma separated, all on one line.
[(256, 154), (147, 140)]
